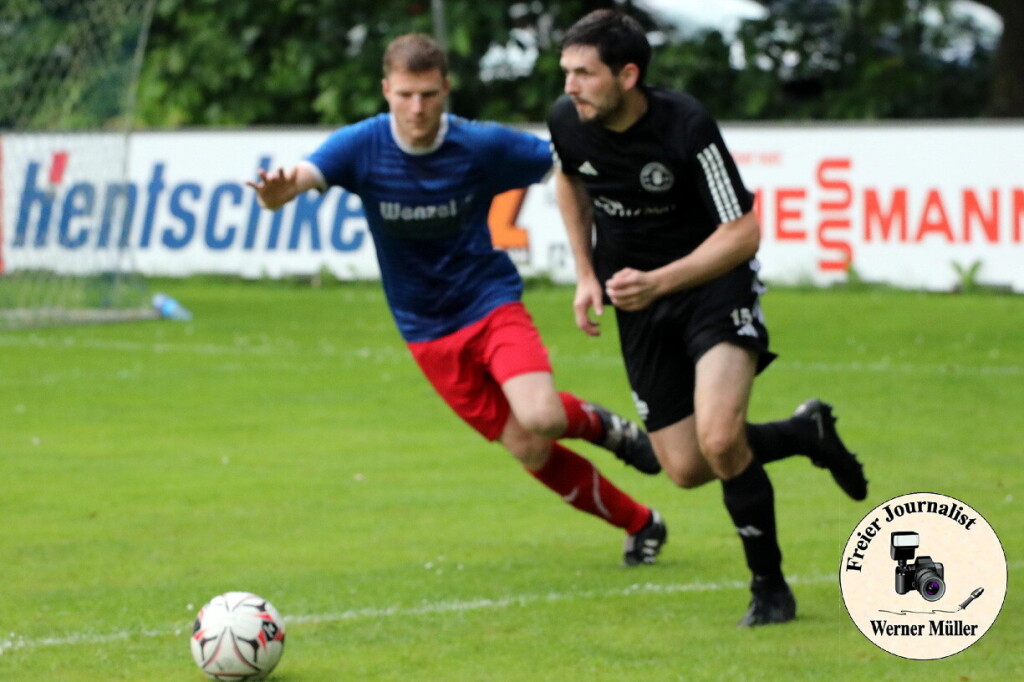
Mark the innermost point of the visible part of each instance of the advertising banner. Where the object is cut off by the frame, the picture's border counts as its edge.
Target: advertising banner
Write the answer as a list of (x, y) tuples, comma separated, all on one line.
[(913, 205)]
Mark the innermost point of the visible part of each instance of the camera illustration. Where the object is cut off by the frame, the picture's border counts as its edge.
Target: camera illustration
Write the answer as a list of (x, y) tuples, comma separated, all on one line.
[(923, 575)]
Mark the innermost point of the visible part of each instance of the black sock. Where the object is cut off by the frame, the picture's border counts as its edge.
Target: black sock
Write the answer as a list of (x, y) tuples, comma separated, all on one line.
[(773, 441), (751, 504)]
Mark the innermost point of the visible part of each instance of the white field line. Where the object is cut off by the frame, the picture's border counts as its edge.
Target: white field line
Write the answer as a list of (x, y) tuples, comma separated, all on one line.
[(265, 346), (243, 345), (884, 366), (13, 642), (887, 367)]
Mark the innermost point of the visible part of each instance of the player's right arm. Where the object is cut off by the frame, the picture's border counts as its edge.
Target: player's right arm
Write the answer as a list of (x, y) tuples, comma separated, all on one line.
[(275, 189), (577, 215)]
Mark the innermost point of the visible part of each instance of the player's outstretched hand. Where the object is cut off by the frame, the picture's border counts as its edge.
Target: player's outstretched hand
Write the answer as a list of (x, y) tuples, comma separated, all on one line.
[(588, 295), (274, 190), (631, 289)]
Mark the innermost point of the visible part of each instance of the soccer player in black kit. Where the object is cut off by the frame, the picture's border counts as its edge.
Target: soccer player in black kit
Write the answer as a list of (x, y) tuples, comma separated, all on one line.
[(676, 240)]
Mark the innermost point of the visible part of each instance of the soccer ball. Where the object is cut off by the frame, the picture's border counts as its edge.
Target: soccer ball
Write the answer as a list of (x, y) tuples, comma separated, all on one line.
[(237, 636)]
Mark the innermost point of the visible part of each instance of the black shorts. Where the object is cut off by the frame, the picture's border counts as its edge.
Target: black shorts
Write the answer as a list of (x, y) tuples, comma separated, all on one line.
[(662, 343)]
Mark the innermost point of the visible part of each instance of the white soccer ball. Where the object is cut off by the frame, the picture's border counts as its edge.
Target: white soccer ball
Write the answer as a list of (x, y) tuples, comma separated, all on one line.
[(237, 636)]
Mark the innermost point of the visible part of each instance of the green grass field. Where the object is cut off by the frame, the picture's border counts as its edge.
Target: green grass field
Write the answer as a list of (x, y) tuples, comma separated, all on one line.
[(283, 442)]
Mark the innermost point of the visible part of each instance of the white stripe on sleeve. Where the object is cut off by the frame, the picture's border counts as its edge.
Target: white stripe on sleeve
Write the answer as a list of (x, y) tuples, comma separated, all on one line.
[(722, 191)]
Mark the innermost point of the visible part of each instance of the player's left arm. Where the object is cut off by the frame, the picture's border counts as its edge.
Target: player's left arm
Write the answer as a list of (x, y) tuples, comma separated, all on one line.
[(732, 244)]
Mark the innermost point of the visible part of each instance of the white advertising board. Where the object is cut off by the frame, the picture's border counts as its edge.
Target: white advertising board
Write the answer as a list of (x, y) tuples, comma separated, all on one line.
[(905, 204)]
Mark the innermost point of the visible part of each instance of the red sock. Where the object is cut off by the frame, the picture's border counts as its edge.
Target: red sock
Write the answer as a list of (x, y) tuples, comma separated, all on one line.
[(580, 484), (582, 422)]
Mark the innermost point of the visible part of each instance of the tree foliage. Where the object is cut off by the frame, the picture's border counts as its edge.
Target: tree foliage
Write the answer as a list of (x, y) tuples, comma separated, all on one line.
[(1006, 97), (307, 62), (318, 61), (866, 59)]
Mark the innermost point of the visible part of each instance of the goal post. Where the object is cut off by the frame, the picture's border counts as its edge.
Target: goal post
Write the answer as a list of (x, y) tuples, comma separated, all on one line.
[(67, 93)]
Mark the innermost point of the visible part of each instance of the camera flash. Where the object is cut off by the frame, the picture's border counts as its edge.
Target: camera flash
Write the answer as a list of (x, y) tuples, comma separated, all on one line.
[(905, 539)]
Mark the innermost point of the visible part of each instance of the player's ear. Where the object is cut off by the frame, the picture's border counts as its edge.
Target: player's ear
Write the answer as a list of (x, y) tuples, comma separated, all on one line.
[(384, 87), (629, 76)]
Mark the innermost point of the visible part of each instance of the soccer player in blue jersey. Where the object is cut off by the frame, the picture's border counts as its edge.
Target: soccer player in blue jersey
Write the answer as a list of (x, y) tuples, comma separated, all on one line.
[(426, 179)]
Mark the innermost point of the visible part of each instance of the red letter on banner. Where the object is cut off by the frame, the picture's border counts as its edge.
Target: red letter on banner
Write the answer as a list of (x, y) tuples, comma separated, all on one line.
[(840, 186), (784, 214), (875, 214), (973, 213), (1018, 215), (939, 223)]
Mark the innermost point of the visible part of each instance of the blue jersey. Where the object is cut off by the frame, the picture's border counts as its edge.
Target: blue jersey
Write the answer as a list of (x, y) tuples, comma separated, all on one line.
[(427, 213)]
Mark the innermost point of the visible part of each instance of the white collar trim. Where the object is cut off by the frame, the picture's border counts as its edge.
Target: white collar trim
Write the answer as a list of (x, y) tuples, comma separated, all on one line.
[(419, 151)]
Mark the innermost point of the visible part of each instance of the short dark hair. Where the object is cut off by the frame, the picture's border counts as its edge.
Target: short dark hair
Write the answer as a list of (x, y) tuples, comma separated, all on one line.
[(415, 53), (618, 37)]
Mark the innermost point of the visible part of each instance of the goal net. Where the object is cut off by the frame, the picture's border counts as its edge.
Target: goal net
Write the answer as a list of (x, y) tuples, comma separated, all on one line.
[(67, 90)]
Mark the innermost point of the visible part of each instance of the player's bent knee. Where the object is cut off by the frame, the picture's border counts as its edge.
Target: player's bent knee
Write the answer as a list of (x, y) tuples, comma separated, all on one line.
[(544, 423), (685, 479), (530, 450), (719, 446), (688, 476), (683, 465), (730, 463)]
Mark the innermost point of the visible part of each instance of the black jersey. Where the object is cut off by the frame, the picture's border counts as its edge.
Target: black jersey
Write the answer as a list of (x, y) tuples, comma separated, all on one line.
[(658, 189)]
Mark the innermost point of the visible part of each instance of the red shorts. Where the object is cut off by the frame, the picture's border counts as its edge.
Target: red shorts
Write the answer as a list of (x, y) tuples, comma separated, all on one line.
[(468, 367)]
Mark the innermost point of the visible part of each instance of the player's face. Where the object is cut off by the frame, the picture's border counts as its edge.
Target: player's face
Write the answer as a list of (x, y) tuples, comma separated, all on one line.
[(416, 102), (598, 93)]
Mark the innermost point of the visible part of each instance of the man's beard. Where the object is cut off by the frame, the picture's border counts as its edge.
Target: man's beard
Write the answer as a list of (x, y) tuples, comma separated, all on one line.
[(603, 116)]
